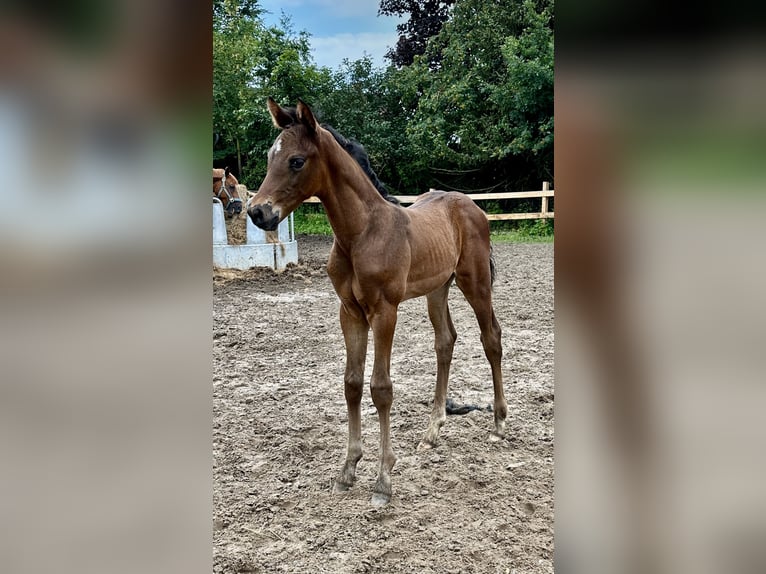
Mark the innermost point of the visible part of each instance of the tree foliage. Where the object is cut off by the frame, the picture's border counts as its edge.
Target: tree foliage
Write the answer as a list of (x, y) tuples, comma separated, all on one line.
[(484, 116), (426, 18), (473, 111), (224, 10), (365, 104), (251, 62), (235, 53)]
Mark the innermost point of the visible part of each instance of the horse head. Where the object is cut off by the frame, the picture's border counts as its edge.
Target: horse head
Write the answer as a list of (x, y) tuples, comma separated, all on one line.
[(295, 169), (225, 189)]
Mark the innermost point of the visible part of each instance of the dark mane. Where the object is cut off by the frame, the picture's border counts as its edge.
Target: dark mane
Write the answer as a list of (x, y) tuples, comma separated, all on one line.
[(356, 151)]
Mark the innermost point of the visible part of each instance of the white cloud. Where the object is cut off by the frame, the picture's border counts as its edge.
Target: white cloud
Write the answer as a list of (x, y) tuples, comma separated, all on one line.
[(329, 51), (339, 28)]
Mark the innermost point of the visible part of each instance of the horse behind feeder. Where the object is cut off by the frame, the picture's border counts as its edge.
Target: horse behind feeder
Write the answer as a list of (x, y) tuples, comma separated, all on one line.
[(225, 189), (381, 256)]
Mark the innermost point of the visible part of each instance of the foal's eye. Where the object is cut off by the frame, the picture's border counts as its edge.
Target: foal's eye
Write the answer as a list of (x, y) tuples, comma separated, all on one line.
[(296, 163)]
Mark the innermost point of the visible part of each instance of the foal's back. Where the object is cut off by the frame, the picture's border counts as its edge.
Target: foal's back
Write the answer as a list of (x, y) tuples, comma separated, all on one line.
[(453, 214)]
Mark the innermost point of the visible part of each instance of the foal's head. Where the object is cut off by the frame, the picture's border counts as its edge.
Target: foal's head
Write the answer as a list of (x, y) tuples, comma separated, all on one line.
[(295, 169), (225, 189)]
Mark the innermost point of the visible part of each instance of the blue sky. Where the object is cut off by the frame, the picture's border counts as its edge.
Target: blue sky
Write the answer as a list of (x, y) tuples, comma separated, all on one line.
[(339, 28)]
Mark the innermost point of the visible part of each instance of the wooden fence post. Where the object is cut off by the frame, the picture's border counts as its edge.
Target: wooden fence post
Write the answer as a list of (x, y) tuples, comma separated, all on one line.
[(544, 210)]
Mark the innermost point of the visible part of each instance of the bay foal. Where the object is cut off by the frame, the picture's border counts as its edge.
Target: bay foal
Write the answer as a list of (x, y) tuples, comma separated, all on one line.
[(382, 255)]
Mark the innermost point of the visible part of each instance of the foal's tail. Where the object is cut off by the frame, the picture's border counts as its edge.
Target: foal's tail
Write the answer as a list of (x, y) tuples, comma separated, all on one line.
[(491, 266)]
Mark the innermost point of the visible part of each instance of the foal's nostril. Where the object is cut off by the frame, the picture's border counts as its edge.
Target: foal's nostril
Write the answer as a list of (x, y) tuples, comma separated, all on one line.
[(256, 215)]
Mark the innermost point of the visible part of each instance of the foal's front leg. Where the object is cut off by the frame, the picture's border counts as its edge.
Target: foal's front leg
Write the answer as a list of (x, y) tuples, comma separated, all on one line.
[(383, 324), (355, 329)]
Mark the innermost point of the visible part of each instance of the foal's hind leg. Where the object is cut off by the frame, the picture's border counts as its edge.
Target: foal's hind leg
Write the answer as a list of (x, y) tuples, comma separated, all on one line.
[(355, 329), (444, 342), (476, 284)]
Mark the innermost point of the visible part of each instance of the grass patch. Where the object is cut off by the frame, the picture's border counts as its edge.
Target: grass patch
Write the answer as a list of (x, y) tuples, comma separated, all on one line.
[(523, 231), (310, 219), (517, 237)]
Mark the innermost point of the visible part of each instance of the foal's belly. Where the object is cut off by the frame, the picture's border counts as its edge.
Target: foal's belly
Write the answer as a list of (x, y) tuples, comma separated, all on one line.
[(434, 251), (426, 285), (431, 266)]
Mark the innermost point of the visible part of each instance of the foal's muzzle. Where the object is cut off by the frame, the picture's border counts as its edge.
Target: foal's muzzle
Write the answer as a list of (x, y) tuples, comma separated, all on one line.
[(264, 217)]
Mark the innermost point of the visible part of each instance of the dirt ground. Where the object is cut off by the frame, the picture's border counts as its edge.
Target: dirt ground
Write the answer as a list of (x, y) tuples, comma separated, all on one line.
[(470, 505)]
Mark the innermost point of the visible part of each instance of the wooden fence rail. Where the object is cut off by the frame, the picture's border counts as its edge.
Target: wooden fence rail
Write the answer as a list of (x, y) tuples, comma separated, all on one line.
[(544, 212)]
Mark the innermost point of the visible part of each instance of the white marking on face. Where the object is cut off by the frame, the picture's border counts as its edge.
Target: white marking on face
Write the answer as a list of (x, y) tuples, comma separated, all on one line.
[(277, 147)]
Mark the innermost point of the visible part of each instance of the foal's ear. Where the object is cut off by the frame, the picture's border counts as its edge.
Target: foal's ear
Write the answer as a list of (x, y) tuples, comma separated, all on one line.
[(306, 117), (280, 116), (226, 172)]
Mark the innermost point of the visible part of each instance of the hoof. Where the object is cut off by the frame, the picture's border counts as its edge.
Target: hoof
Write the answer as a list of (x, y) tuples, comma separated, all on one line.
[(380, 499), (425, 445), (495, 437), (500, 427), (340, 488)]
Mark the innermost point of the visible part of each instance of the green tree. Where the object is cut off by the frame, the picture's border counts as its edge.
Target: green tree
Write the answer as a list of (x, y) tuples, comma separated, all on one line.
[(483, 118), (425, 19), (236, 31), (473, 112), (364, 104), (250, 63)]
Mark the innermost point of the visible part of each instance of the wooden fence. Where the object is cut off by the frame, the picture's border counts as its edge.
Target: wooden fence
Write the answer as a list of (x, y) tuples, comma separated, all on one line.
[(545, 194)]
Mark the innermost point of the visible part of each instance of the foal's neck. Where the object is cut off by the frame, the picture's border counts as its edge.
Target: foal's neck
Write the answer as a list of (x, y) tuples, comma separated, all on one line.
[(350, 200)]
